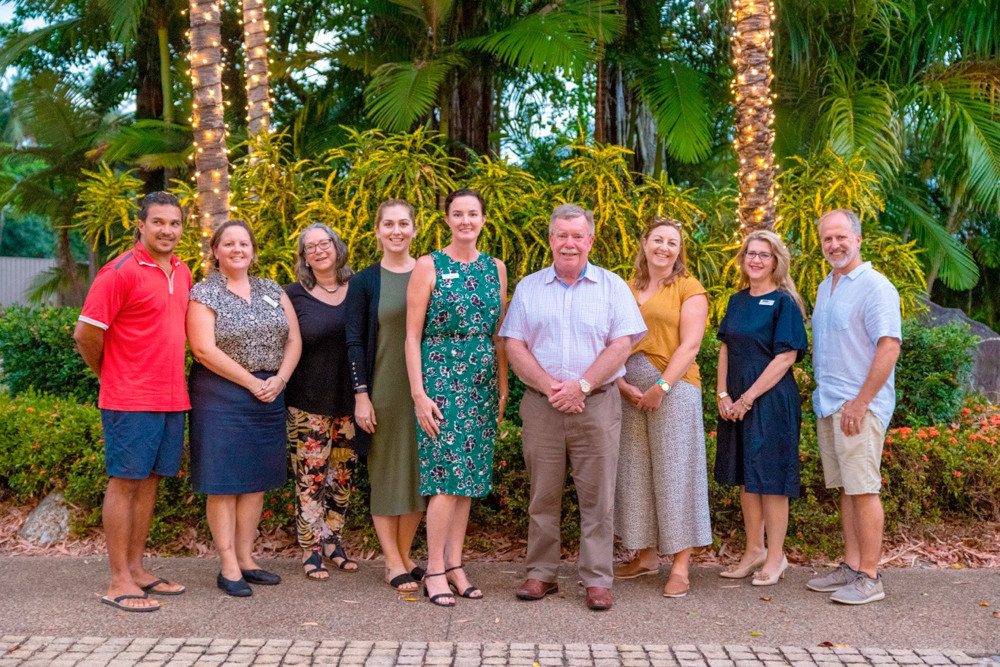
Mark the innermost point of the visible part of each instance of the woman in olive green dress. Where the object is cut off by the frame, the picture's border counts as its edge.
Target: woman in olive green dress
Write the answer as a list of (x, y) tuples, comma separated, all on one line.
[(376, 331), (458, 381)]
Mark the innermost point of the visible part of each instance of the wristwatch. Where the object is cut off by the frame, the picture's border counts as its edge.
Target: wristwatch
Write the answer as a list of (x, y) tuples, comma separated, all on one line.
[(664, 385), (585, 387), (721, 396)]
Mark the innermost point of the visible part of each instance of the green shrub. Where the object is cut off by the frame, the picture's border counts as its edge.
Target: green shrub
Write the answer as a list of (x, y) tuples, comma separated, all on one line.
[(933, 372), (37, 350)]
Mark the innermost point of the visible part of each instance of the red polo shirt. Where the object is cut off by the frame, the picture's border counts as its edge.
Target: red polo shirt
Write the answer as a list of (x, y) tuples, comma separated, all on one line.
[(141, 309)]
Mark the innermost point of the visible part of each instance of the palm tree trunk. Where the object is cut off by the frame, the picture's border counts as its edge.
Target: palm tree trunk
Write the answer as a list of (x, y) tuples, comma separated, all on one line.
[(754, 137), (211, 159), (255, 59), (72, 292)]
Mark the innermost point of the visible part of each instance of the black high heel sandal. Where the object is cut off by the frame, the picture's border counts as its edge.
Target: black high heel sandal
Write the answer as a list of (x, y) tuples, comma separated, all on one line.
[(468, 592), (434, 598)]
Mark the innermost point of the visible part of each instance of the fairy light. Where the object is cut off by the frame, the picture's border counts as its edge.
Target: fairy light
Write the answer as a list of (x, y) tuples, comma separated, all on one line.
[(255, 48), (753, 138), (211, 172)]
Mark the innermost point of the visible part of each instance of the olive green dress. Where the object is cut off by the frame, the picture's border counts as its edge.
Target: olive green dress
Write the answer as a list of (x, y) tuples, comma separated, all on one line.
[(392, 459)]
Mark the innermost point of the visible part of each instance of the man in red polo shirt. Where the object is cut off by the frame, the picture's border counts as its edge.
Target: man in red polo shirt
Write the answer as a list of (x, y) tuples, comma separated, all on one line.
[(131, 334)]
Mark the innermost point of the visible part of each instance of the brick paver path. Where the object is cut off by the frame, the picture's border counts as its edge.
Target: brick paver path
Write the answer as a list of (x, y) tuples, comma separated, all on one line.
[(43, 651)]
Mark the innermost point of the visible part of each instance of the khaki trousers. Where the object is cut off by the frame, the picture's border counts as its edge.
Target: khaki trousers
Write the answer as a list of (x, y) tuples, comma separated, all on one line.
[(589, 442)]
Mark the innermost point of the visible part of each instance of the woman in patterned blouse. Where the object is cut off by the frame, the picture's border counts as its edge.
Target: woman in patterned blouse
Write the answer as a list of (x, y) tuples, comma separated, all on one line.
[(245, 338)]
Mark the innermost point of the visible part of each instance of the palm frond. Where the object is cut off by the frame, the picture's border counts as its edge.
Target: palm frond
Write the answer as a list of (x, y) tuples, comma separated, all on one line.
[(559, 36), (400, 93), (146, 138), (19, 44), (125, 17), (958, 269), (859, 114), (674, 92)]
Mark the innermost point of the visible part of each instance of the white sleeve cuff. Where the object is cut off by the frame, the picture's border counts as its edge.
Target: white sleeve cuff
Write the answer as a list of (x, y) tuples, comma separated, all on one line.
[(99, 325)]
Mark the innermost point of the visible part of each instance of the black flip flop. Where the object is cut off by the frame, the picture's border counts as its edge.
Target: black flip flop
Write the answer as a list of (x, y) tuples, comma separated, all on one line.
[(117, 603), (149, 588)]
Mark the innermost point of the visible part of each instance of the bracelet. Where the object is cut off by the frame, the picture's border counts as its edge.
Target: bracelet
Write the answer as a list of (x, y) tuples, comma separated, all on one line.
[(721, 395), (282, 378), (746, 405)]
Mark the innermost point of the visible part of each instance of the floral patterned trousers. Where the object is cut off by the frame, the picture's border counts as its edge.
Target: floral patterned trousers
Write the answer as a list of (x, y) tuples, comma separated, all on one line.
[(323, 460)]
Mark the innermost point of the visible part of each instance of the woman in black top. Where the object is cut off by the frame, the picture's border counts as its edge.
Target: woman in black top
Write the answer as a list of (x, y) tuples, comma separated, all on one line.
[(320, 401)]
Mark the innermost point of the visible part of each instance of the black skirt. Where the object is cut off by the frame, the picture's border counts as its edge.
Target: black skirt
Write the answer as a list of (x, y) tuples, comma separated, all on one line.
[(237, 441)]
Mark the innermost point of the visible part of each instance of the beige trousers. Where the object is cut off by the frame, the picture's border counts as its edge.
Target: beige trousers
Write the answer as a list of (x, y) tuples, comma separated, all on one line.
[(588, 441)]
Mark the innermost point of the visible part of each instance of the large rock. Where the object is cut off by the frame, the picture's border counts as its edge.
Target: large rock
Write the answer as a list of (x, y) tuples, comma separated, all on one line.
[(986, 368), (49, 523)]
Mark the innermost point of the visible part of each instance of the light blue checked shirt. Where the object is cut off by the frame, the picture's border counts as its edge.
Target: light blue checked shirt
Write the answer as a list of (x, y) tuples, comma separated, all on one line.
[(847, 324), (567, 328)]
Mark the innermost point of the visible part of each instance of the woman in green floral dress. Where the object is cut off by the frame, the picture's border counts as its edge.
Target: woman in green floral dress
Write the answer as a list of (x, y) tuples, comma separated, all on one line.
[(458, 379)]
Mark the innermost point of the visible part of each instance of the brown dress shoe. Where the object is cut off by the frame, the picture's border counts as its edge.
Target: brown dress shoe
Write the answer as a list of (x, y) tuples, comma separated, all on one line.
[(599, 599), (536, 589)]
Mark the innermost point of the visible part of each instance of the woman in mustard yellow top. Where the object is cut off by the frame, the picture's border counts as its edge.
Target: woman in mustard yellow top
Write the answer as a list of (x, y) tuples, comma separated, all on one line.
[(661, 501)]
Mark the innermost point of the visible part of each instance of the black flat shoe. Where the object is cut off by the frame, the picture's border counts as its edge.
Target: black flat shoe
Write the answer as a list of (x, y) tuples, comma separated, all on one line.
[(261, 577), (238, 589)]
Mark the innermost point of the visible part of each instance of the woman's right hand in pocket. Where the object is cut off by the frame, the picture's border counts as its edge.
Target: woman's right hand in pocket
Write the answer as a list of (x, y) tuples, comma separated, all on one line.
[(364, 413), (428, 415)]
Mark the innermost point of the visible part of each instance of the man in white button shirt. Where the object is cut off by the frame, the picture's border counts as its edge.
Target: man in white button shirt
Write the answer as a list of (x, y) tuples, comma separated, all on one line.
[(856, 340), (568, 331)]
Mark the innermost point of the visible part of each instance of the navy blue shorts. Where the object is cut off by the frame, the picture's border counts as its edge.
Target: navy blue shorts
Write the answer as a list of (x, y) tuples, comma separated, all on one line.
[(138, 444)]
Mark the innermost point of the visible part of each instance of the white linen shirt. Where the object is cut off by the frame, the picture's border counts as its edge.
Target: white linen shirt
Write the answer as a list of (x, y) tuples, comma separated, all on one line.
[(847, 324), (567, 328)]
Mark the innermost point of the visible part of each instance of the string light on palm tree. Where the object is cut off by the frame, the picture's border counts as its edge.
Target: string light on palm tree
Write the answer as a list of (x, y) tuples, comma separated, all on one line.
[(753, 138), (255, 46), (211, 173)]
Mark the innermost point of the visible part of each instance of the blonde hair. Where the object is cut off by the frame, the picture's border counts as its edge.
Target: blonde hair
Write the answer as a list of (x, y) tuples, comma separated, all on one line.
[(640, 275), (782, 263)]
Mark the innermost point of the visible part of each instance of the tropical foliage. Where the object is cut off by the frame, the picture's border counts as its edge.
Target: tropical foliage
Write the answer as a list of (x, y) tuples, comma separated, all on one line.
[(281, 195)]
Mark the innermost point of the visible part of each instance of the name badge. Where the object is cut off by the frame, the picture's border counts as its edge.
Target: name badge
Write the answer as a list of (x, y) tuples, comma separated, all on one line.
[(449, 276), (767, 302), (272, 302)]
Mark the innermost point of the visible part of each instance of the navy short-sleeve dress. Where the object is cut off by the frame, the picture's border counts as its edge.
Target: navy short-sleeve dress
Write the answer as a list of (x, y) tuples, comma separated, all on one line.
[(762, 451)]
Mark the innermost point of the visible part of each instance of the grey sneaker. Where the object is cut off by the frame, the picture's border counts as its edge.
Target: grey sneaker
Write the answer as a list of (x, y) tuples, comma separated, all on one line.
[(862, 590), (844, 574)]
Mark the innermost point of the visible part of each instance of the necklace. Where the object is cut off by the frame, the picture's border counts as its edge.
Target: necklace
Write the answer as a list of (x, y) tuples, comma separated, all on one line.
[(328, 290)]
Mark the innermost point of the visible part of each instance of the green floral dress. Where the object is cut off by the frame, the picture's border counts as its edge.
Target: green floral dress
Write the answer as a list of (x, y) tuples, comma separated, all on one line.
[(460, 375)]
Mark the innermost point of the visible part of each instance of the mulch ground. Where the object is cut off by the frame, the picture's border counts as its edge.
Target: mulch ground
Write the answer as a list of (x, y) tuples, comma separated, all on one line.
[(952, 545)]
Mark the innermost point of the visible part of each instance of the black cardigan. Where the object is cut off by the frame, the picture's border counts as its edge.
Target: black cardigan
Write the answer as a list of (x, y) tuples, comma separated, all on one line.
[(362, 335)]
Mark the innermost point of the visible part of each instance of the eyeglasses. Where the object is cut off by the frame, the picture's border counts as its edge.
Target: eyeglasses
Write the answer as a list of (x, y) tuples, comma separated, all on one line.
[(325, 244), (763, 256)]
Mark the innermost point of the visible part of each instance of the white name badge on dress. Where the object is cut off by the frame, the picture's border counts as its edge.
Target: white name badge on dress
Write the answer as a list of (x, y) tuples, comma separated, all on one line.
[(767, 302), (274, 304), (449, 276)]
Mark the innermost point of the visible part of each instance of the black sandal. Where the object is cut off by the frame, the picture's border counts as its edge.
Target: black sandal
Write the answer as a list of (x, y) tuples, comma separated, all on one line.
[(339, 552), (468, 592), (417, 573), (401, 579), (434, 598), (316, 561)]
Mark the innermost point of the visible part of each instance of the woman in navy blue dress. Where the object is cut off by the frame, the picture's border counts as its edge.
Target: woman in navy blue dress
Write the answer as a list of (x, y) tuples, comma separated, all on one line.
[(760, 409)]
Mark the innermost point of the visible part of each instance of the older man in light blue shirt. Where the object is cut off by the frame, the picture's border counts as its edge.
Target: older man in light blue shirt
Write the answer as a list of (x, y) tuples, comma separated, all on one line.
[(856, 341), (567, 333)]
